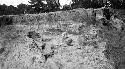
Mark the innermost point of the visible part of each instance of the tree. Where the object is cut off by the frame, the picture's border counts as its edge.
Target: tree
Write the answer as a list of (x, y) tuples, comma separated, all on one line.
[(22, 8), (11, 10), (53, 5), (37, 5), (41, 6), (3, 9)]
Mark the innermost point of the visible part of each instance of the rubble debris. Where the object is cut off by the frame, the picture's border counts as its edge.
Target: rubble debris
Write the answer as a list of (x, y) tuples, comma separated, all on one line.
[(45, 39), (69, 42), (2, 50), (43, 46), (33, 35), (47, 56)]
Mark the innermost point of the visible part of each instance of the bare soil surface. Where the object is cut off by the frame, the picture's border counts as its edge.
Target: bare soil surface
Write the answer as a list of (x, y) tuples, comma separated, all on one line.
[(62, 40)]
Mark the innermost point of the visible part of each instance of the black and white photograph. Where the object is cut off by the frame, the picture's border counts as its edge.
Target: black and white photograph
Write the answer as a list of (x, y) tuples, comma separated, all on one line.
[(62, 34)]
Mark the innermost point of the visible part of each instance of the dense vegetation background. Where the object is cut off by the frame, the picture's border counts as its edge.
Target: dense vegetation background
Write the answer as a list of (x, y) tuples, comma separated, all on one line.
[(37, 6)]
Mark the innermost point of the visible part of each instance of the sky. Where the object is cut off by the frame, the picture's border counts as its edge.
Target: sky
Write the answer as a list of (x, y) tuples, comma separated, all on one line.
[(13, 2), (17, 2)]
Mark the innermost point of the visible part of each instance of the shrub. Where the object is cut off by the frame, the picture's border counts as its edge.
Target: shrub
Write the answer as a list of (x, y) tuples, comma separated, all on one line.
[(6, 20)]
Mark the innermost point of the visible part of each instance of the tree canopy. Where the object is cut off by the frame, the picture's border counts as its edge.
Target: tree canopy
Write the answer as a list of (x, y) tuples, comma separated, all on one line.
[(41, 6)]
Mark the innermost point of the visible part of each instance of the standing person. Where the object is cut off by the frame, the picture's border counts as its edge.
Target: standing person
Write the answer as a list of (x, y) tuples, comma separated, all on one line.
[(93, 15), (106, 10)]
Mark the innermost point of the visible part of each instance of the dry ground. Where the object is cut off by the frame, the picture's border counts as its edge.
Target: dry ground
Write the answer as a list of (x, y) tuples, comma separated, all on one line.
[(60, 40)]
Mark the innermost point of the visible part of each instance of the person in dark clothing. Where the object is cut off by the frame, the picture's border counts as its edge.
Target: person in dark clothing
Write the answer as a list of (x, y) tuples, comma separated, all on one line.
[(106, 10), (107, 14)]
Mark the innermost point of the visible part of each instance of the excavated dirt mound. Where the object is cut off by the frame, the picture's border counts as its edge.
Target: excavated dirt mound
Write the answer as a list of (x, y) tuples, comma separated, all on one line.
[(61, 40)]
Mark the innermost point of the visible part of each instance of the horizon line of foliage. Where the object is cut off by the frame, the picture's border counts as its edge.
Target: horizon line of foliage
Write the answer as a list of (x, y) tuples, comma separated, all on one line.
[(52, 5)]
